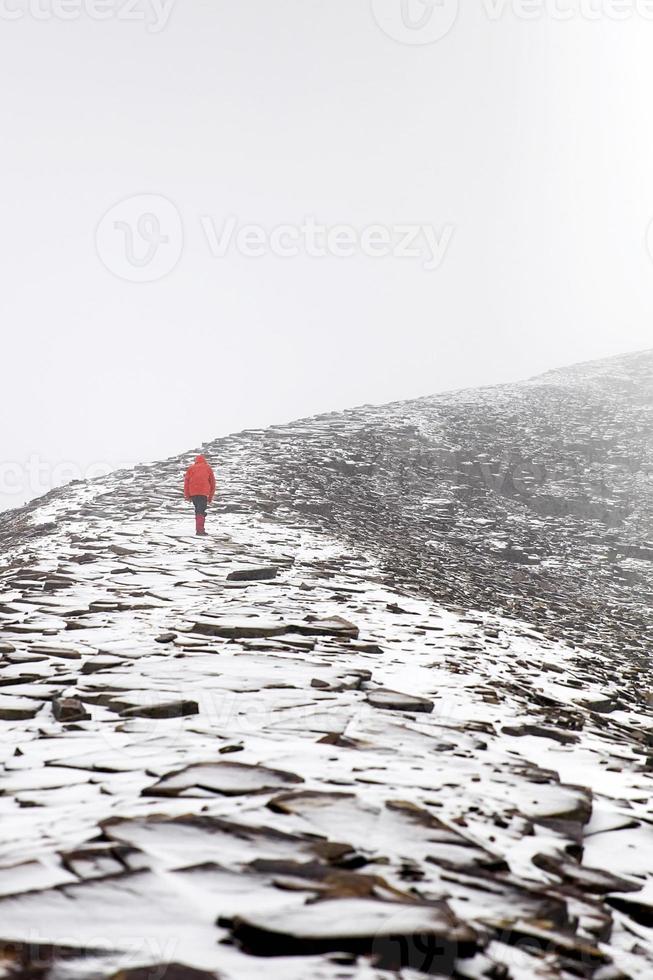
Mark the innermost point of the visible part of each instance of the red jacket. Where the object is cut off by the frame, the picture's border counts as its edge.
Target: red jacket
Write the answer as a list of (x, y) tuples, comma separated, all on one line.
[(200, 480)]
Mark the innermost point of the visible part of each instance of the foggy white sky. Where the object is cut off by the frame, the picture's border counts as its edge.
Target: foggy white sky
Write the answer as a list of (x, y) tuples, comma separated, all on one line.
[(525, 146)]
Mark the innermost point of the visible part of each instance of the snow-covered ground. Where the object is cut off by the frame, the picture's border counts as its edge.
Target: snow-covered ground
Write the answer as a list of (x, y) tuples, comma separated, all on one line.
[(314, 766)]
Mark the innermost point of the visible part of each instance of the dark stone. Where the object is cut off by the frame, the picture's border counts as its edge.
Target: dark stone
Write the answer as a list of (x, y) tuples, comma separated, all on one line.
[(396, 701), (252, 574), (396, 935), (333, 626), (563, 738), (69, 709), (22, 713), (593, 880), (167, 709), (640, 912)]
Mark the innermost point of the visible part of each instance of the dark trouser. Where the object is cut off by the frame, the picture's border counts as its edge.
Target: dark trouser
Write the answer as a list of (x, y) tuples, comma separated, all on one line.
[(200, 504)]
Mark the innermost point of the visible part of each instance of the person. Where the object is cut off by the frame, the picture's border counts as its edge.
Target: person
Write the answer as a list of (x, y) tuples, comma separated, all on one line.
[(199, 486)]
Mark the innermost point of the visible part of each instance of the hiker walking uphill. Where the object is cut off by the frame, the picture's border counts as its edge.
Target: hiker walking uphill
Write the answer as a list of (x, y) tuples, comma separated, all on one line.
[(199, 486)]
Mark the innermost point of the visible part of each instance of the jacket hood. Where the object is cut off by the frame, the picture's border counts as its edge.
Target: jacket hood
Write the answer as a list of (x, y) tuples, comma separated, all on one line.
[(200, 459)]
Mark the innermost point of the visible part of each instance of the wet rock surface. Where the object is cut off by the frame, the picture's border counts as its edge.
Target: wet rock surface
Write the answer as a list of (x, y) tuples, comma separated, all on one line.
[(391, 717)]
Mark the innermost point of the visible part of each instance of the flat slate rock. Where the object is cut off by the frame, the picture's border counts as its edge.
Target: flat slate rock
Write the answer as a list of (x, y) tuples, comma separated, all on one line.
[(16, 708), (57, 650), (395, 934), (224, 778), (164, 709), (96, 664), (396, 701), (25, 657), (31, 876), (253, 574), (594, 880), (333, 626), (185, 839), (237, 628), (519, 731)]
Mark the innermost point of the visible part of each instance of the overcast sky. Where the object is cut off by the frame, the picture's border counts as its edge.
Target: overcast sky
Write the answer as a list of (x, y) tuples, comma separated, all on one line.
[(219, 214)]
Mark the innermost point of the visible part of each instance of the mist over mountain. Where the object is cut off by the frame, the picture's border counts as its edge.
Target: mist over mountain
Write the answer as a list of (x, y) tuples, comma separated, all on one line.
[(394, 713)]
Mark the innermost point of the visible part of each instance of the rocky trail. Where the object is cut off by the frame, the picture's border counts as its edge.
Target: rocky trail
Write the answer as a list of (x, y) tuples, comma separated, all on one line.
[(391, 717)]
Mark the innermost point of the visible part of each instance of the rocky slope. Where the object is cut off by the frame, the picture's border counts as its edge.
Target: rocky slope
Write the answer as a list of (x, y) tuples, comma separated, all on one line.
[(535, 498), (393, 715)]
